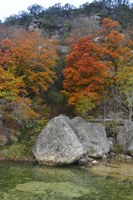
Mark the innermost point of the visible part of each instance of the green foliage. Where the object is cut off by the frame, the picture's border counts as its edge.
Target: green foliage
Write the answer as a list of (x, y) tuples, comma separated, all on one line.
[(55, 98), (17, 152), (57, 101), (29, 132), (124, 14), (56, 16), (35, 10), (93, 8), (117, 148), (84, 106), (112, 128)]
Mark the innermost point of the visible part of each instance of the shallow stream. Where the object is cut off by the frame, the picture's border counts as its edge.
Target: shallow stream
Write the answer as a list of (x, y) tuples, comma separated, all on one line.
[(33, 182)]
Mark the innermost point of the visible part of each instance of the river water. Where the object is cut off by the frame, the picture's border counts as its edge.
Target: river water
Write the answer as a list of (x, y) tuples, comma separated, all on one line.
[(33, 182)]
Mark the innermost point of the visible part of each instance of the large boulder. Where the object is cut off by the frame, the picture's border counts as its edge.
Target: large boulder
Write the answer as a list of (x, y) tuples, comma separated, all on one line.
[(92, 136), (58, 143), (125, 137)]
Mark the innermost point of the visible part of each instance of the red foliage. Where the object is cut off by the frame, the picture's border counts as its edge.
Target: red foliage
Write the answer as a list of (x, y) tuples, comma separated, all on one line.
[(85, 73)]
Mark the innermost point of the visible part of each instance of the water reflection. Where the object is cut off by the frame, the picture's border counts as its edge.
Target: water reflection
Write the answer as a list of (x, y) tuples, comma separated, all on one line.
[(27, 182)]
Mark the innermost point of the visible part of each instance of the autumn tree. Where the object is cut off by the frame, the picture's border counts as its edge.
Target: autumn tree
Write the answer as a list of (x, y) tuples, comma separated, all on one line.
[(30, 57), (94, 60), (27, 64), (85, 73), (119, 58)]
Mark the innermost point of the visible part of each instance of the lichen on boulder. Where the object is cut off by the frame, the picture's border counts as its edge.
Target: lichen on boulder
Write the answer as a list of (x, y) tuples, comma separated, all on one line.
[(58, 143)]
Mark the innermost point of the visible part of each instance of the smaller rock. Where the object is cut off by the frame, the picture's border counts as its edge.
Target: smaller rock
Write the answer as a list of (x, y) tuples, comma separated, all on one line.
[(129, 157), (104, 157), (125, 157), (112, 155), (122, 156), (95, 162), (84, 160), (130, 150), (90, 159), (63, 49), (111, 142)]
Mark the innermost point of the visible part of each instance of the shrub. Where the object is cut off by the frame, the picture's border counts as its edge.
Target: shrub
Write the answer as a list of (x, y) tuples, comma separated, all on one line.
[(17, 152), (112, 128), (117, 148)]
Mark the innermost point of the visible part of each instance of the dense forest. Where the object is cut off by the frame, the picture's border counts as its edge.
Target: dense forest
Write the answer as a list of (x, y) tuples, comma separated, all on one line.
[(63, 59)]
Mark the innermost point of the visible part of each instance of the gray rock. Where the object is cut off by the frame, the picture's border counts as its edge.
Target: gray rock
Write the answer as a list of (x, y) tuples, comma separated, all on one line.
[(90, 159), (112, 155), (95, 162), (34, 25), (104, 157), (63, 49), (58, 144), (125, 137), (129, 158), (125, 157), (92, 136), (84, 160), (111, 142)]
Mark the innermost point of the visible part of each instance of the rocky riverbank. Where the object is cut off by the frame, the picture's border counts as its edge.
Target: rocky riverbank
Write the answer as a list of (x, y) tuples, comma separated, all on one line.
[(67, 141)]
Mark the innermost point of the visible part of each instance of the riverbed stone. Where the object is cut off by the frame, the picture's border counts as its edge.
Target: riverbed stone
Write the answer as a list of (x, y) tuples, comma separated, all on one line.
[(125, 137), (58, 143), (92, 136), (95, 162)]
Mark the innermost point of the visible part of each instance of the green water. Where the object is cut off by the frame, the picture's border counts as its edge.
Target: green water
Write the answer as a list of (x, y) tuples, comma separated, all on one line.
[(33, 182)]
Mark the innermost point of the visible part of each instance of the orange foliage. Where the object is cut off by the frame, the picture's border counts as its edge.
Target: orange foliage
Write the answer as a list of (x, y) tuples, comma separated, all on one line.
[(27, 64), (117, 45), (85, 73), (30, 57), (93, 61), (109, 25)]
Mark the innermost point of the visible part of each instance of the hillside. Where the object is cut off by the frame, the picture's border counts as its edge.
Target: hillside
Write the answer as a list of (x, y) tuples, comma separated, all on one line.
[(65, 60)]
